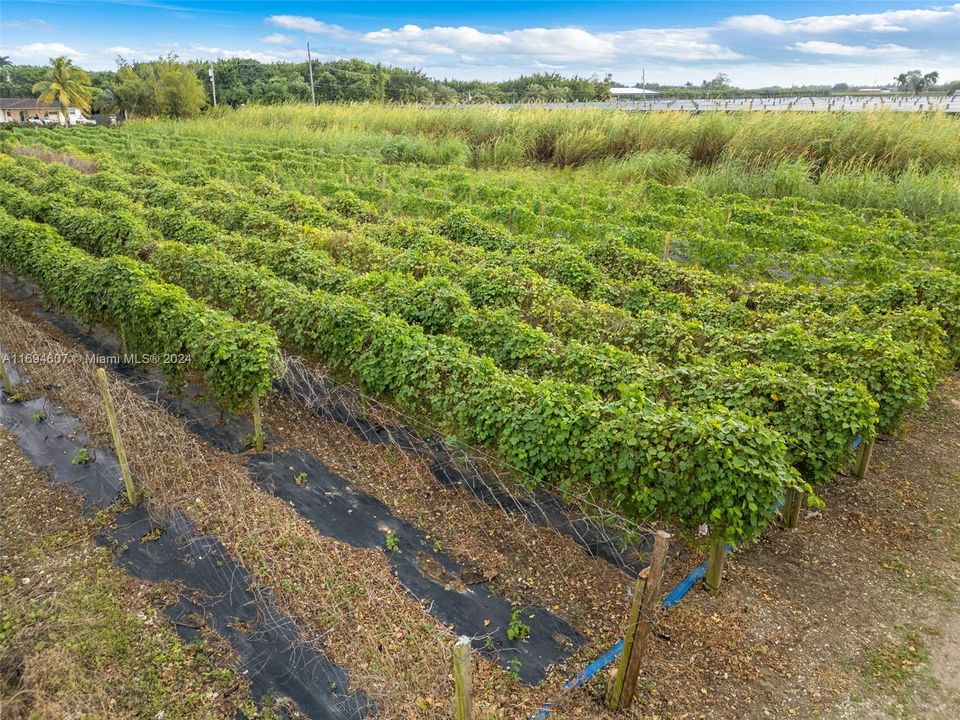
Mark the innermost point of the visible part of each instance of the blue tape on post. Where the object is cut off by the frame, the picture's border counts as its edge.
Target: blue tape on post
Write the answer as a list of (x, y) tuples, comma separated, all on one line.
[(856, 442)]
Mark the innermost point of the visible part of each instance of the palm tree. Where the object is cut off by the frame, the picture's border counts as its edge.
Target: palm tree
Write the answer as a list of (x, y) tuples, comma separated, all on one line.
[(5, 63), (65, 83)]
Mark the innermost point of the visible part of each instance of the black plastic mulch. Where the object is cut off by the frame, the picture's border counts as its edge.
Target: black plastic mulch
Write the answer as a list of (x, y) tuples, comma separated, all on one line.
[(217, 591), (457, 595)]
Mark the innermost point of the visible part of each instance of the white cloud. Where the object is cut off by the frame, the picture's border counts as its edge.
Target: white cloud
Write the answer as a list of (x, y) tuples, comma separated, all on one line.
[(41, 52), (128, 52), (307, 24), (33, 24), (265, 57), (822, 47), (892, 21), (278, 39), (680, 44), (563, 44)]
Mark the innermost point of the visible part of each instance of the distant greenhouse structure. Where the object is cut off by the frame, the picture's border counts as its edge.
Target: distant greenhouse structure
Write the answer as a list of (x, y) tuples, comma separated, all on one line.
[(632, 93)]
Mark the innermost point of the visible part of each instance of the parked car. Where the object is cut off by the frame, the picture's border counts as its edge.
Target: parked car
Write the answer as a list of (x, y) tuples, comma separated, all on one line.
[(75, 117)]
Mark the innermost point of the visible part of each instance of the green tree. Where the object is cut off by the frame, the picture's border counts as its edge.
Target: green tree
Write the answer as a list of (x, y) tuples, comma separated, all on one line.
[(916, 81), (128, 95), (178, 91), (720, 80), (5, 63), (445, 95), (423, 95), (535, 92), (66, 84), (558, 93), (381, 77), (281, 89)]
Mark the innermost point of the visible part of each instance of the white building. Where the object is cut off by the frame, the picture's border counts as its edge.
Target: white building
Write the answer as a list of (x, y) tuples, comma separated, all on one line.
[(632, 92), (31, 110)]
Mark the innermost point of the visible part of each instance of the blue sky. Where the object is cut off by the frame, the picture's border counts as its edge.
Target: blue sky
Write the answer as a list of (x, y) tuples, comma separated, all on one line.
[(756, 43)]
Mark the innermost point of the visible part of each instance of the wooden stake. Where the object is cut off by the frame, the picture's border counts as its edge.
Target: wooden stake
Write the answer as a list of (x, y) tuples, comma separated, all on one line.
[(791, 509), (785, 510), (615, 689), (5, 379), (863, 459), (667, 243), (257, 424), (463, 678), (642, 610), (115, 431), (718, 558)]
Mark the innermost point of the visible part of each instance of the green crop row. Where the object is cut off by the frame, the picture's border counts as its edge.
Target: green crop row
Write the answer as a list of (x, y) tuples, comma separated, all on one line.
[(817, 419), (236, 359), (701, 466), (638, 213), (678, 200), (793, 224), (515, 345)]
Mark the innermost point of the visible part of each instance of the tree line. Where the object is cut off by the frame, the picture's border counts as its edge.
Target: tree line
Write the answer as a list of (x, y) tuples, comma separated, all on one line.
[(170, 87)]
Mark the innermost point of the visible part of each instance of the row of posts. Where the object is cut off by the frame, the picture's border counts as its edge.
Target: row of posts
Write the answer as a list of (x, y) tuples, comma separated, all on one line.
[(646, 596), (643, 608)]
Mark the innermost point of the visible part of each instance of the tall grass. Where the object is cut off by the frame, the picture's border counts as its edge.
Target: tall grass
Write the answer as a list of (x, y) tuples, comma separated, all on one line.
[(915, 193), (887, 141), (884, 160)]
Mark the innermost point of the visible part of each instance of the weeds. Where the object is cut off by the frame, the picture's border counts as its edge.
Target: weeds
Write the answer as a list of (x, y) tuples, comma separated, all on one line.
[(517, 629), (893, 662), (390, 541)]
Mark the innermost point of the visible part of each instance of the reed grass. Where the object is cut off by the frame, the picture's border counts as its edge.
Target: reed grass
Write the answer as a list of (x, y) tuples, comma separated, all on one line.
[(882, 140), (881, 159)]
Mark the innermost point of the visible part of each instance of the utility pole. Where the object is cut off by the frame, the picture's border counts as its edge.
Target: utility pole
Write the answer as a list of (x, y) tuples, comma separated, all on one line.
[(213, 84), (313, 93)]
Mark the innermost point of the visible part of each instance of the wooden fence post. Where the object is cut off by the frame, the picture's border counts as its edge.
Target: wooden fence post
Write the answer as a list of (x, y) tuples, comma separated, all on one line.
[(667, 245), (257, 424), (791, 508), (863, 458), (787, 508), (718, 558), (5, 379), (463, 678), (115, 431), (646, 598)]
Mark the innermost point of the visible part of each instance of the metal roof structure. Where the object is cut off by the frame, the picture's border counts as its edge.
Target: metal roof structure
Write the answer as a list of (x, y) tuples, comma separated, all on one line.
[(632, 91)]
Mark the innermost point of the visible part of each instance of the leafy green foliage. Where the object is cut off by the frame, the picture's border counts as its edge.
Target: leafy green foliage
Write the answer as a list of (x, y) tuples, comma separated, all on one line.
[(517, 629), (390, 541), (236, 359), (665, 351)]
